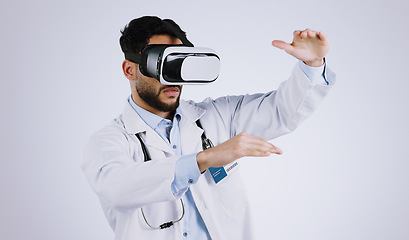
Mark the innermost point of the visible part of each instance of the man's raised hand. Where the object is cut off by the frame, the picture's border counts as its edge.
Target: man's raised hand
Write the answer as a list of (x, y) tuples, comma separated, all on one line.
[(308, 46)]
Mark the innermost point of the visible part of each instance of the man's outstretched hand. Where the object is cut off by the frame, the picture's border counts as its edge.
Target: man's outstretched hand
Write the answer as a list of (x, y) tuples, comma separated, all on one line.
[(241, 145), (308, 46)]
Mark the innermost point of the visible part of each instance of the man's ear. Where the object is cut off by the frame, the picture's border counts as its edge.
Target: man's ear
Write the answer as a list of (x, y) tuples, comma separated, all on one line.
[(129, 68)]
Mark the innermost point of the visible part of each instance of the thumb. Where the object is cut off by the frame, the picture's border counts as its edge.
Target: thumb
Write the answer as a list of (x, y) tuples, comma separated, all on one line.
[(282, 45)]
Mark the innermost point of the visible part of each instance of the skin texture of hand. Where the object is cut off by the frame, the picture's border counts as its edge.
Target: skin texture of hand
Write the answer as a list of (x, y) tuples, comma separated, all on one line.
[(242, 145), (308, 46)]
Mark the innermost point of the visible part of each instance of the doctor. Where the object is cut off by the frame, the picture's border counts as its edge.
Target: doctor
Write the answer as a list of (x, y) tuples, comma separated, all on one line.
[(148, 167)]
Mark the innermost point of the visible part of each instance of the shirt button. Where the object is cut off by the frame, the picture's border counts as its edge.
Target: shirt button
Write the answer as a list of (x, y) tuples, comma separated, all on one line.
[(190, 181), (174, 146), (185, 234)]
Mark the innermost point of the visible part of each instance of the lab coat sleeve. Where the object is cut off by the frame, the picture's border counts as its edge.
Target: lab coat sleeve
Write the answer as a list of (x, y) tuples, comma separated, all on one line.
[(276, 112), (119, 180)]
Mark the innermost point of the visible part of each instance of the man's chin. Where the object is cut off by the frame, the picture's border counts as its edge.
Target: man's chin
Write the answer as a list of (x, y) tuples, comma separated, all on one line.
[(161, 102), (168, 106)]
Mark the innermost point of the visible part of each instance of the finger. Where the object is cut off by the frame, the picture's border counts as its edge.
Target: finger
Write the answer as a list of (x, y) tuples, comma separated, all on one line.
[(256, 146), (273, 149), (260, 145), (323, 36), (266, 152), (304, 33), (262, 154), (296, 33), (282, 45), (312, 34), (278, 151)]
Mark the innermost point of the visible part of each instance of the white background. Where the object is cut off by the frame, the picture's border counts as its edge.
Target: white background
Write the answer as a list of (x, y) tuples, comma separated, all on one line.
[(344, 174)]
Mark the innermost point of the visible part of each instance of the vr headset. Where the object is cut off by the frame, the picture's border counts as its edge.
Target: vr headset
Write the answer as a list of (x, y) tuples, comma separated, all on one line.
[(177, 64)]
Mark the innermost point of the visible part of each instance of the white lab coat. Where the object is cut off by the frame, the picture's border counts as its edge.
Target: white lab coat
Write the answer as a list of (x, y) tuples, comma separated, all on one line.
[(114, 163)]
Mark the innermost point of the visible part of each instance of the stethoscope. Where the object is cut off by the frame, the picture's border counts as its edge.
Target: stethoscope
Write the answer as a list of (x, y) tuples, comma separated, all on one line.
[(206, 144)]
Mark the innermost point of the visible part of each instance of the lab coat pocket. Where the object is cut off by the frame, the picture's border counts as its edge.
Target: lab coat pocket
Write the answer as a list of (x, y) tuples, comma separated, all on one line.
[(230, 194)]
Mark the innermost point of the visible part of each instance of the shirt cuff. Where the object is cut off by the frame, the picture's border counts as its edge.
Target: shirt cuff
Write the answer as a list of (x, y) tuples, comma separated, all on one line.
[(186, 173), (315, 74)]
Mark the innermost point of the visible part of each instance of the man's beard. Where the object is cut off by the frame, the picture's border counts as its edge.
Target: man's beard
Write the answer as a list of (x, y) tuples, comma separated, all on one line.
[(152, 99)]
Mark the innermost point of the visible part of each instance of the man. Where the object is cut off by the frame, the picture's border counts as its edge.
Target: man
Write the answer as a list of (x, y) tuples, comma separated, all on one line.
[(148, 167)]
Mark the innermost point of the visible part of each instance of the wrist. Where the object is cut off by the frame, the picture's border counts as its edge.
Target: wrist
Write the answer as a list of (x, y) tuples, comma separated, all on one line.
[(202, 161), (315, 63)]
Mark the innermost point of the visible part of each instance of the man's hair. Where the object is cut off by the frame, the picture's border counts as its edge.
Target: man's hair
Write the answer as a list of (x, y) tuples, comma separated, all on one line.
[(136, 35)]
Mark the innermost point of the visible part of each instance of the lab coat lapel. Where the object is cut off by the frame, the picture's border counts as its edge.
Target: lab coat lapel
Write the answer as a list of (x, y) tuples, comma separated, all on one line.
[(190, 137), (190, 133), (153, 140), (134, 124)]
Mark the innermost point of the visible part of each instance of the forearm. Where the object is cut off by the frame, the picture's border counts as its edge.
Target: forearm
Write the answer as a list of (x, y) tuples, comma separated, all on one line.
[(281, 111)]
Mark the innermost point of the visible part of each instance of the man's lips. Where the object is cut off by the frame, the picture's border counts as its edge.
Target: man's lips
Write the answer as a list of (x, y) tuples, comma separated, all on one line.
[(171, 91)]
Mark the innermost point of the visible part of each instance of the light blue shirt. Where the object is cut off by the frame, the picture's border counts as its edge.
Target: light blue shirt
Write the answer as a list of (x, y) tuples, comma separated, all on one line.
[(186, 169)]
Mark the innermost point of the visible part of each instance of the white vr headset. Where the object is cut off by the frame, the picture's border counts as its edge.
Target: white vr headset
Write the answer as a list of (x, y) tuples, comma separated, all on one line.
[(177, 64)]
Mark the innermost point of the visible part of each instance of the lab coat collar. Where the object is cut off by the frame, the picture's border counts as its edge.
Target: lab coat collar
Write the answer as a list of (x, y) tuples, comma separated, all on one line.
[(189, 111), (133, 123)]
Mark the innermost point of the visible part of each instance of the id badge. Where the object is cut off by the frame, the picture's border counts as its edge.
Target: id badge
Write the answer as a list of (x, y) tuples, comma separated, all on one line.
[(220, 173)]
